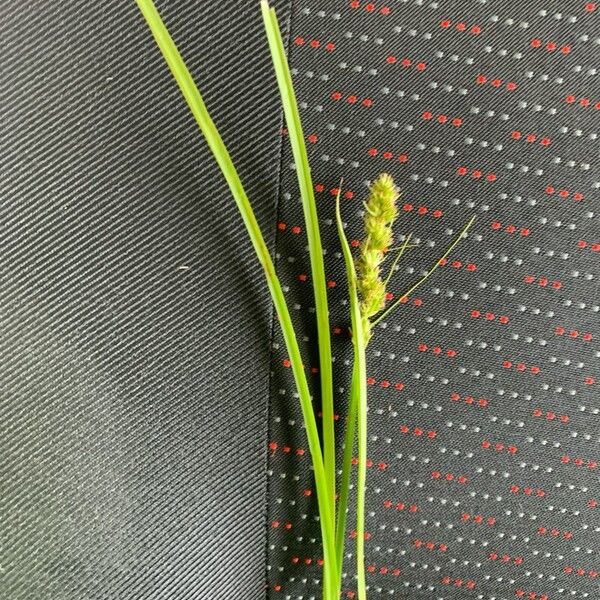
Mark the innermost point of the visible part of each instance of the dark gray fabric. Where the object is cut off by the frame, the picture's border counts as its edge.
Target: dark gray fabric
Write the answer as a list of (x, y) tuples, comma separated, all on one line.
[(134, 321)]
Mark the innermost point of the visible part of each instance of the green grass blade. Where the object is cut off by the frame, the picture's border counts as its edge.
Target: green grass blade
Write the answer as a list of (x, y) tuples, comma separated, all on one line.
[(427, 275), (296, 136), (196, 104), (403, 248), (359, 385)]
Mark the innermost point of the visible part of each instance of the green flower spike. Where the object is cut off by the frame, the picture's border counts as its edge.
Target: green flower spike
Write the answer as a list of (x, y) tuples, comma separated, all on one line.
[(380, 213)]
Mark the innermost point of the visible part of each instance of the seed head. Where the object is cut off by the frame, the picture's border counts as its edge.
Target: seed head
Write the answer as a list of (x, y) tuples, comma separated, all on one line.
[(380, 212)]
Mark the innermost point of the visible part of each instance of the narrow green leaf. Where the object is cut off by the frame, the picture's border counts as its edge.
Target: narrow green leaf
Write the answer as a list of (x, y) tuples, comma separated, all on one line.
[(359, 393), (209, 130), (297, 141), (425, 277)]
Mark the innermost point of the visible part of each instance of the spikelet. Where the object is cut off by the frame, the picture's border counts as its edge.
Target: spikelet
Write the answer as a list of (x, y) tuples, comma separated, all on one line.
[(380, 212)]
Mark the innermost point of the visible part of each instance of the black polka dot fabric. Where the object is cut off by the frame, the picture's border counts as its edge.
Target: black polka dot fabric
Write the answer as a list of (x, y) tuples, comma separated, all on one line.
[(483, 415)]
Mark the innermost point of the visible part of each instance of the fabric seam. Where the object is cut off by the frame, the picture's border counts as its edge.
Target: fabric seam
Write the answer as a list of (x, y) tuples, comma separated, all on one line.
[(273, 316)]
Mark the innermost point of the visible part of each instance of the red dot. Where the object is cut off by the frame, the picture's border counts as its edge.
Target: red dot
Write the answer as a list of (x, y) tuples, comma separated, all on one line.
[(590, 6), (481, 79), (550, 46), (511, 85), (427, 115), (536, 43), (460, 26), (315, 43), (367, 102), (391, 59), (570, 99), (299, 41), (565, 49), (421, 66), (330, 47), (475, 30), (445, 23)]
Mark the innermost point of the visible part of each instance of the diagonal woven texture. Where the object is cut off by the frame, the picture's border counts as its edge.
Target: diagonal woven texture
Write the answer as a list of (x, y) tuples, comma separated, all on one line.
[(134, 322), (484, 444)]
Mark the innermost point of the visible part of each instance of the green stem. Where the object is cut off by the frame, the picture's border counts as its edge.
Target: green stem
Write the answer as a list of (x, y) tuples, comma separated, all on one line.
[(198, 108), (296, 135), (361, 358), (359, 325), (340, 532)]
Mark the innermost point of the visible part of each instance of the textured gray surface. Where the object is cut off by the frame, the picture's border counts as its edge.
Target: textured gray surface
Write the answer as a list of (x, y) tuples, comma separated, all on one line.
[(134, 321)]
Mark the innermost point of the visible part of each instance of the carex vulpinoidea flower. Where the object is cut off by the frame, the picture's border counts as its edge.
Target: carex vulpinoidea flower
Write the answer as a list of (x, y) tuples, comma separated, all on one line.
[(380, 213)]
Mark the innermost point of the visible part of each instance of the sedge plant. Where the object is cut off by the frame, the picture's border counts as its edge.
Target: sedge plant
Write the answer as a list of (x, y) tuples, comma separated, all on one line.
[(365, 286), (367, 291)]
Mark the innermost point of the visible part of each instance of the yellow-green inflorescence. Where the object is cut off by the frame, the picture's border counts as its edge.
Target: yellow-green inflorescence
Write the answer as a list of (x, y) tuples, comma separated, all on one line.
[(380, 213)]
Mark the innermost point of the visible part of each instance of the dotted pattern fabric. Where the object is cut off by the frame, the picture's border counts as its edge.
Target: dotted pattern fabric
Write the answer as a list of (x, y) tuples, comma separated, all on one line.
[(483, 387)]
